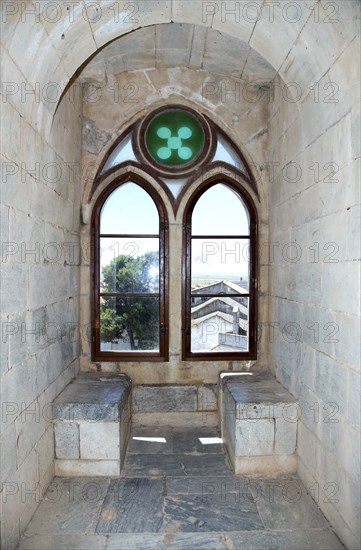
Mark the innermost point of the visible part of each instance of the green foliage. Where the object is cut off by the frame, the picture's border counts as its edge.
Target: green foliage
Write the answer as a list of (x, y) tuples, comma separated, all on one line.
[(131, 319)]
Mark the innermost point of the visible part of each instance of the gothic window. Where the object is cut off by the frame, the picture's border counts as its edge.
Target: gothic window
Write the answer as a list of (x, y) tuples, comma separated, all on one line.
[(176, 146), (219, 266), (130, 274)]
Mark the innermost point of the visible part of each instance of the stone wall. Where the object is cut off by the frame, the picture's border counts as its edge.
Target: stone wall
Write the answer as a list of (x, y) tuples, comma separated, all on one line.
[(40, 200), (316, 43), (314, 274)]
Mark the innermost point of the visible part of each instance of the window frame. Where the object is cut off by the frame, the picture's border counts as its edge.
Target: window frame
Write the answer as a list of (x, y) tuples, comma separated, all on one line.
[(187, 354), (118, 356)]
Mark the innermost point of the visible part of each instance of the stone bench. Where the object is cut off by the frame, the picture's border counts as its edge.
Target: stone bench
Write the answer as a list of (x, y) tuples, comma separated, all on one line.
[(259, 424), (92, 420)]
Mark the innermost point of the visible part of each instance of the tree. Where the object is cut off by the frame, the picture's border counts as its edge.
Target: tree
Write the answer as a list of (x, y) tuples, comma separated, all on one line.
[(131, 318)]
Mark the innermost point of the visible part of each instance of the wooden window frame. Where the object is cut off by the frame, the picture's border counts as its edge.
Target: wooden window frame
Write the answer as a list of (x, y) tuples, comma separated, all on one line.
[(187, 354), (135, 356)]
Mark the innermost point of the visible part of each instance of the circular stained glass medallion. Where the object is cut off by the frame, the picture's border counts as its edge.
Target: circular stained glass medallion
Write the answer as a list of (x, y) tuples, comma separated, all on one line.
[(174, 139)]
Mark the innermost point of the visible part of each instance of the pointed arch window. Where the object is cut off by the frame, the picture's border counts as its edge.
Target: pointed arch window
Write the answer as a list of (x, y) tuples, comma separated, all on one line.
[(130, 274), (219, 266), (171, 148)]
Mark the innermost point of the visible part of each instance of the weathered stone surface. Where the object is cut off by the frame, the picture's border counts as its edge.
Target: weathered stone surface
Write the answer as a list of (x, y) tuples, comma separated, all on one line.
[(316, 51), (94, 139), (207, 513), (66, 440), (127, 505), (99, 440), (259, 424), (255, 438), (285, 437), (164, 398), (87, 468), (92, 425), (92, 398)]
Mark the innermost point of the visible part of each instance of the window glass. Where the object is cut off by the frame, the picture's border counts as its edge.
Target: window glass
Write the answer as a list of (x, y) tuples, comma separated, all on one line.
[(220, 211), (129, 297), (129, 210), (220, 273), (122, 153)]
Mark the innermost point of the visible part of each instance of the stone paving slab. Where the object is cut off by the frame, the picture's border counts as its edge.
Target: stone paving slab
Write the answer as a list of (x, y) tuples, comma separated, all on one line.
[(70, 506), (310, 539), (178, 441), (63, 542), (179, 502), (175, 465), (132, 506), (207, 513), (207, 485), (314, 539), (283, 503)]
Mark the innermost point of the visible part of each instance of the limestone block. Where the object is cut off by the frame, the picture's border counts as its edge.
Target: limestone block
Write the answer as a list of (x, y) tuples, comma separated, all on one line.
[(254, 437), (24, 376), (207, 398), (45, 450), (262, 40), (237, 19), (30, 426), (32, 34), (265, 465), (173, 45), (92, 398), (99, 440), (306, 446), (7, 451), (120, 19), (77, 468), (165, 398), (197, 50), (353, 397), (13, 287), (176, 419), (285, 437), (66, 440), (223, 54), (346, 297), (11, 119)]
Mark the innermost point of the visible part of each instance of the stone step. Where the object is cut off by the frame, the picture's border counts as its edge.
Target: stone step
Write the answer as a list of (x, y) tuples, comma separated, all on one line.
[(175, 405)]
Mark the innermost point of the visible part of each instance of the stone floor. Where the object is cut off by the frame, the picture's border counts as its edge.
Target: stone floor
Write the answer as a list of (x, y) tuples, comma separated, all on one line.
[(179, 494)]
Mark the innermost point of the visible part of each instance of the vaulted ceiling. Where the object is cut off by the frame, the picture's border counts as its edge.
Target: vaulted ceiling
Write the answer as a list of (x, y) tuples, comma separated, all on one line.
[(181, 45)]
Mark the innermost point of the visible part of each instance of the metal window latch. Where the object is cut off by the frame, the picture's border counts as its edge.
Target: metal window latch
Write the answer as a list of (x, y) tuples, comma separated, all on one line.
[(163, 328)]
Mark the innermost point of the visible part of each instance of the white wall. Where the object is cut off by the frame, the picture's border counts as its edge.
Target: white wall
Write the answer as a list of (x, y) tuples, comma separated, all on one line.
[(39, 290), (315, 299)]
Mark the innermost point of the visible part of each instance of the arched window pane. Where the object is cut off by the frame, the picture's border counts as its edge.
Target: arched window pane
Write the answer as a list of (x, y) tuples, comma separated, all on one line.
[(122, 153), (219, 278), (129, 210), (226, 153), (220, 211)]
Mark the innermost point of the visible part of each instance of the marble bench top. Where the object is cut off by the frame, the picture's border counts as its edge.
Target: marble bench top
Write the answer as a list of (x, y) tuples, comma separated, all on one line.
[(258, 395), (92, 397)]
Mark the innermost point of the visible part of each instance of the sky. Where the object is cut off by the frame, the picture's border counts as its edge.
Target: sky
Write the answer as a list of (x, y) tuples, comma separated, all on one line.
[(129, 209)]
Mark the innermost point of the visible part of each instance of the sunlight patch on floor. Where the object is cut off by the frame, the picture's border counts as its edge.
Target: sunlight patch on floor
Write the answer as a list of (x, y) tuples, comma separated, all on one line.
[(210, 440), (152, 439)]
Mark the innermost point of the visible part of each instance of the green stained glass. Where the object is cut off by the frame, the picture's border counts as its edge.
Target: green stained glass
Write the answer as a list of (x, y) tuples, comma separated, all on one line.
[(174, 138)]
